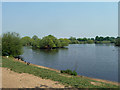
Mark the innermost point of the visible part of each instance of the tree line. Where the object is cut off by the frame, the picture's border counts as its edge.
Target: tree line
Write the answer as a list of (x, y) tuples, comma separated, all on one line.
[(96, 40), (12, 43)]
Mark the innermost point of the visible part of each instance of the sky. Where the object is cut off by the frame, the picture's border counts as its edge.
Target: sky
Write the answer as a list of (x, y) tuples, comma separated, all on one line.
[(61, 19), (0, 18)]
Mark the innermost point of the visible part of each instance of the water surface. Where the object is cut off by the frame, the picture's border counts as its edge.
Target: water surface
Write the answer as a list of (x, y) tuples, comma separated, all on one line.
[(92, 60)]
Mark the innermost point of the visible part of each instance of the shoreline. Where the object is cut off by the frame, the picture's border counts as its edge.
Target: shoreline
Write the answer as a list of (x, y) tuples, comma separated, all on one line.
[(22, 67), (96, 79)]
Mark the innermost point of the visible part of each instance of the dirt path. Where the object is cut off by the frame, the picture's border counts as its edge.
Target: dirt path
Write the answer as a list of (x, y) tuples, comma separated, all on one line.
[(12, 79)]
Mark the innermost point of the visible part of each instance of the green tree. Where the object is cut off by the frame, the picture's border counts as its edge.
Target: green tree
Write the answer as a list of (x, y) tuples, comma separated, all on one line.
[(26, 41), (79, 39), (84, 39), (36, 43), (0, 45), (11, 44), (97, 38), (50, 42), (90, 41), (117, 43), (73, 40), (64, 42), (35, 37)]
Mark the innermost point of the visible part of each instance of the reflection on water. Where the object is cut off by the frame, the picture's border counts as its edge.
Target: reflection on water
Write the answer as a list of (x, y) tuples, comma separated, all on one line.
[(104, 44), (92, 60), (48, 51)]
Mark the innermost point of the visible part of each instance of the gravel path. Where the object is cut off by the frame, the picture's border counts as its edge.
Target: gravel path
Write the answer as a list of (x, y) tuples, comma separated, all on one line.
[(12, 79)]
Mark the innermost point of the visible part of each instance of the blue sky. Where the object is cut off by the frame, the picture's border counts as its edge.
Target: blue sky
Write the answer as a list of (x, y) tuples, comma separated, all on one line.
[(61, 19)]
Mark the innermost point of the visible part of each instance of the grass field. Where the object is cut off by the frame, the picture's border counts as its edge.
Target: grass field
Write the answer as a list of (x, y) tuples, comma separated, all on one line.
[(73, 81)]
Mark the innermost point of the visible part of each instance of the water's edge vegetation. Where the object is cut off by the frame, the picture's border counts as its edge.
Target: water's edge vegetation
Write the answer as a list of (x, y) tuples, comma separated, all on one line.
[(12, 42), (67, 80)]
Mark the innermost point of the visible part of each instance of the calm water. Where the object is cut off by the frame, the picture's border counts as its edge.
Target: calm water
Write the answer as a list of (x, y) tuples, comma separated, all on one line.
[(97, 61)]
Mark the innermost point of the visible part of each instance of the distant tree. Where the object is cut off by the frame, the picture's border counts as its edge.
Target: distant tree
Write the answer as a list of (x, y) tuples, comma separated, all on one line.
[(67, 40), (79, 39), (35, 37), (11, 44), (57, 42), (107, 38), (36, 43), (48, 42), (90, 41), (97, 38), (84, 39), (26, 41), (104, 40), (0, 45), (117, 43), (73, 40), (101, 38), (64, 42)]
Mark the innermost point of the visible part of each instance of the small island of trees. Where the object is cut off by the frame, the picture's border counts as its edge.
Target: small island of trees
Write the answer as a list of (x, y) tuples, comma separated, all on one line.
[(47, 42)]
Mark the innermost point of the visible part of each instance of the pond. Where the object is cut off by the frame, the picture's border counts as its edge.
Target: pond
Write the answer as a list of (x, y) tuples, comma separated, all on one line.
[(91, 60)]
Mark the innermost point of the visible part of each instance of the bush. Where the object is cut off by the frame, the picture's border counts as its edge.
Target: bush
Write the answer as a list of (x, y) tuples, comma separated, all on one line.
[(11, 44), (117, 43), (69, 72), (74, 73)]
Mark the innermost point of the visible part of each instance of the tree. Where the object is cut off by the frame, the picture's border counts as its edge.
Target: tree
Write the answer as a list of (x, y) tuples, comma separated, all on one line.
[(117, 43), (97, 38), (73, 40), (0, 45), (49, 42), (35, 37), (79, 39), (90, 41), (101, 38), (35, 42), (26, 41), (64, 42), (84, 39), (11, 44)]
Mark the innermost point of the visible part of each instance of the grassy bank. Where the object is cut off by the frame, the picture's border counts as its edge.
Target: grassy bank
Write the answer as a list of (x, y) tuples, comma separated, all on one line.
[(79, 82)]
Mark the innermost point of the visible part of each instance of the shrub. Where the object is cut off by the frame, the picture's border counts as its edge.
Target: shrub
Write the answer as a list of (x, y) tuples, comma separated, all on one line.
[(11, 44), (74, 73), (69, 72)]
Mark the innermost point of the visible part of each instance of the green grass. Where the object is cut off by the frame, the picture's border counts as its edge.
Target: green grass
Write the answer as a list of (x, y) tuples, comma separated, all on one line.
[(79, 82)]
